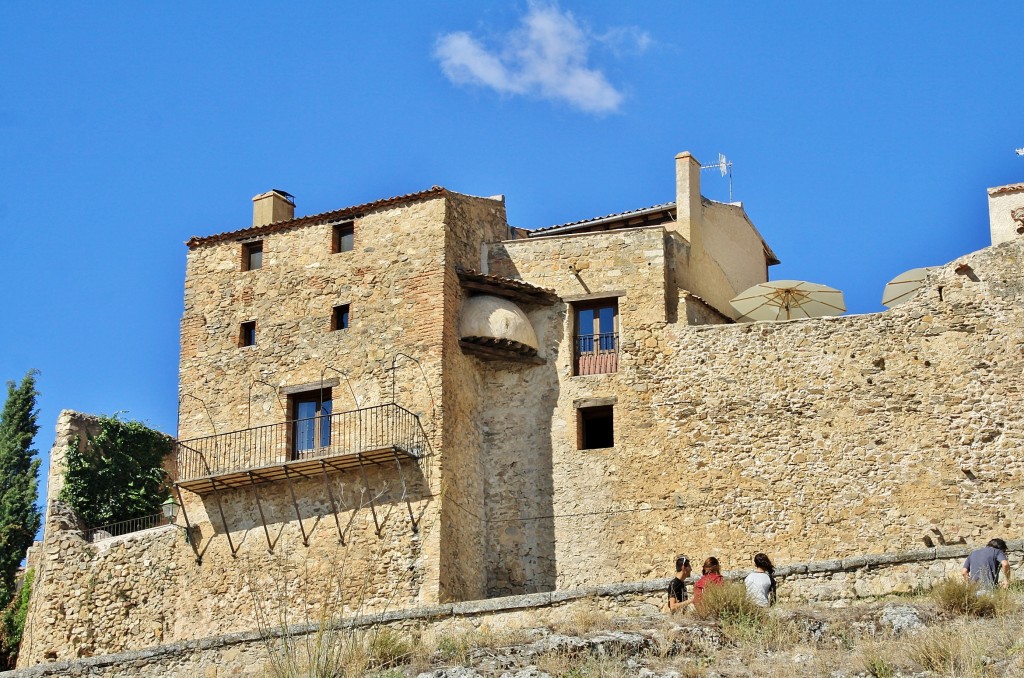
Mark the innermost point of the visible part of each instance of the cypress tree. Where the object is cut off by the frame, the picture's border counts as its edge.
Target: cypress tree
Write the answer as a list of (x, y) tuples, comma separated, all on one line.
[(19, 517)]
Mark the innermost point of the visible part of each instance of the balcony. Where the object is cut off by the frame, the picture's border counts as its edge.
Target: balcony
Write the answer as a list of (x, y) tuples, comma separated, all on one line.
[(596, 353), (319, 445)]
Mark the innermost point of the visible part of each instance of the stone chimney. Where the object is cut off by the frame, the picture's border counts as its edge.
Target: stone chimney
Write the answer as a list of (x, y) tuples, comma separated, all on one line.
[(688, 204), (1006, 212), (272, 206)]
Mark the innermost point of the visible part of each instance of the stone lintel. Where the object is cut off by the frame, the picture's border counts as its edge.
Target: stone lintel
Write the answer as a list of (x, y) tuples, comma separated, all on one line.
[(311, 386), (580, 403), (593, 296)]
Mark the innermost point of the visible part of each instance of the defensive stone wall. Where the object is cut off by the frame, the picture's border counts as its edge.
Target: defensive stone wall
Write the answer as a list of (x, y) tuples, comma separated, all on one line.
[(805, 439), (838, 582)]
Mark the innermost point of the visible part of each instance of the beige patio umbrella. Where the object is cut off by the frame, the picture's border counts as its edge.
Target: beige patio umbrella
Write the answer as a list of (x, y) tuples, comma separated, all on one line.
[(903, 286), (787, 300)]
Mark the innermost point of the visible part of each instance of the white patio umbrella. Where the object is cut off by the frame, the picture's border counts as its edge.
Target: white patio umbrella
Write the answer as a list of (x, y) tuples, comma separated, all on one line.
[(903, 286), (788, 299)]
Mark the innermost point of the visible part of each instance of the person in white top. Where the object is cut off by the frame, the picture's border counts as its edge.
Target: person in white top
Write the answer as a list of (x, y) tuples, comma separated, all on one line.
[(760, 583)]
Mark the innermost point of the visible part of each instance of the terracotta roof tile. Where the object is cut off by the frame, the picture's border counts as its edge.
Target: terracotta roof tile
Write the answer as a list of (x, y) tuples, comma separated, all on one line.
[(335, 215), (517, 290), (608, 217), (1009, 188)]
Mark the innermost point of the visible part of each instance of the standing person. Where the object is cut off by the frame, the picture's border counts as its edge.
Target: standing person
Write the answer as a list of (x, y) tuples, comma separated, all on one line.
[(761, 583), (677, 598), (983, 565), (711, 573)]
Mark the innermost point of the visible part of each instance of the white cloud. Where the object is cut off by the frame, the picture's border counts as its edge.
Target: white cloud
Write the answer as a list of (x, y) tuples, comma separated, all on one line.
[(546, 56), (624, 40)]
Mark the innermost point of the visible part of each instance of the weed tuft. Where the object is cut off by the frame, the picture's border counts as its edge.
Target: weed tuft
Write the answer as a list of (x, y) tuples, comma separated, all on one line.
[(728, 603), (957, 596)]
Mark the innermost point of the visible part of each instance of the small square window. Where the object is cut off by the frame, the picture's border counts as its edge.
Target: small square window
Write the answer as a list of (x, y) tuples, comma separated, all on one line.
[(340, 318), (595, 427), (247, 335), (343, 238), (252, 255)]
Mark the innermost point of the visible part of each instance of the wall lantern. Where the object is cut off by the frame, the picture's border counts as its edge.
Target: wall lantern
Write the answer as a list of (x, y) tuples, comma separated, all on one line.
[(169, 509)]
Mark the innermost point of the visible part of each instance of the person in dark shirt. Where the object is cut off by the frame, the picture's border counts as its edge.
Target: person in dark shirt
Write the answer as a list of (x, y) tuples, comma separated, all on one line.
[(677, 597), (983, 565)]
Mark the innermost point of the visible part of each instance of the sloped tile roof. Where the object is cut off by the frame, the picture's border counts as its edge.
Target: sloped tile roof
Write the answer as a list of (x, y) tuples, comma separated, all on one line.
[(323, 217), (517, 290), (608, 217), (1009, 188)]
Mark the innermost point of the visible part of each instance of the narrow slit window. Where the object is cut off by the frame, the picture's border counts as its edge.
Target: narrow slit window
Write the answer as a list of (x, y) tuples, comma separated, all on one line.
[(252, 256), (596, 427), (344, 237), (340, 318), (247, 335)]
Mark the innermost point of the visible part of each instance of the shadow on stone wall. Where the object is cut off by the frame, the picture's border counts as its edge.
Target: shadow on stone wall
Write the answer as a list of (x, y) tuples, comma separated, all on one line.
[(518, 453), (247, 511)]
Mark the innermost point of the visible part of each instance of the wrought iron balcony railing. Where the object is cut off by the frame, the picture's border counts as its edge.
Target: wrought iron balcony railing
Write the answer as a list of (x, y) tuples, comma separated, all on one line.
[(125, 527), (382, 428), (596, 353)]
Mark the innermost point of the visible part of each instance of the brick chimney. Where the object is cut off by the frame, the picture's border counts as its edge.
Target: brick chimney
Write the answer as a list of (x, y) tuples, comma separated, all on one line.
[(272, 206), (688, 204)]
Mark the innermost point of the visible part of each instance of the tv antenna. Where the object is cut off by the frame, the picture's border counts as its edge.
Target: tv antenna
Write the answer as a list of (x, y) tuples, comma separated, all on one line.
[(1020, 151), (724, 165)]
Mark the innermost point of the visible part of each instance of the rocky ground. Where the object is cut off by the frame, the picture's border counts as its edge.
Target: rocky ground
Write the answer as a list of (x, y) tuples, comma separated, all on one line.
[(900, 637)]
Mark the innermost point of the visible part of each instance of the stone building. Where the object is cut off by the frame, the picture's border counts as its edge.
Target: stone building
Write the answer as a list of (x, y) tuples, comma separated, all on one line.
[(307, 320), (409, 402)]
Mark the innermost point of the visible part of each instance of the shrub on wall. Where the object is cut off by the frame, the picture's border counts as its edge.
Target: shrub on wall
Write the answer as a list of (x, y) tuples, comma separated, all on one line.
[(115, 474), (12, 623)]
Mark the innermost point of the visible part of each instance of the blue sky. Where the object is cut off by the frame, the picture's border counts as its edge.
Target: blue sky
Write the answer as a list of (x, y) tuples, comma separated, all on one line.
[(863, 136)]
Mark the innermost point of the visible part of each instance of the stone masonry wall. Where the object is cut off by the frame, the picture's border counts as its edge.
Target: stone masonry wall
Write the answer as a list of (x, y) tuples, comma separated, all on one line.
[(805, 439), (526, 422), (392, 280), (259, 547), (470, 222), (837, 582)]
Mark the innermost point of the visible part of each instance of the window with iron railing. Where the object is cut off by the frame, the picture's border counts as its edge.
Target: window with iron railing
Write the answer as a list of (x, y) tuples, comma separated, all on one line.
[(596, 337)]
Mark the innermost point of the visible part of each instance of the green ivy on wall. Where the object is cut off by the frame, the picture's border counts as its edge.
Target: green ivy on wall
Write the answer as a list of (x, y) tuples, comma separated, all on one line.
[(12, 623), (116, 475)]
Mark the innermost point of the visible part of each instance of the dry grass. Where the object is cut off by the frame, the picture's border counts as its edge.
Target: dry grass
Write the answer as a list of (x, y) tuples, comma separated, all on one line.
[(458, 649), (337, 653), (729, 604), (571, 665), (880, 659), (954, 650), (582, 621), (957, 596), (736, 638), (744, 623)]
